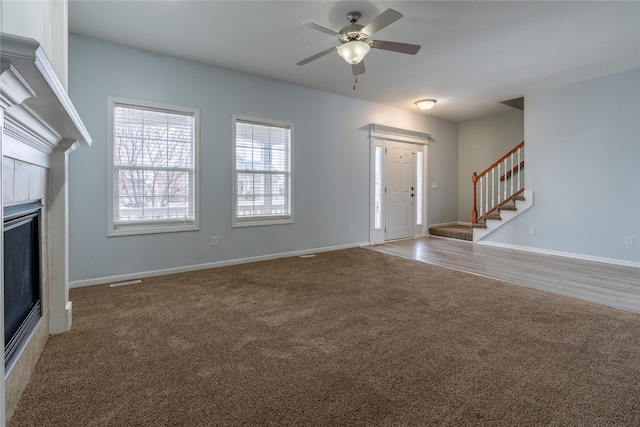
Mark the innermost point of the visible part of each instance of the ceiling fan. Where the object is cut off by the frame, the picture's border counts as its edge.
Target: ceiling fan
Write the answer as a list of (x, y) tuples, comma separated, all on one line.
[(355, 43)]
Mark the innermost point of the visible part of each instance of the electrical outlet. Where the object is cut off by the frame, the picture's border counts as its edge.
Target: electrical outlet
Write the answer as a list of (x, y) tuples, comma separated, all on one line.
[(532, 231), (214, 241), (434, 185), (628, 241)]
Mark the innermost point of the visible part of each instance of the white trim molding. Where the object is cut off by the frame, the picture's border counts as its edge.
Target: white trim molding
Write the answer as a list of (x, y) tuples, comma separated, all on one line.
[(405, 134), (40, 108)]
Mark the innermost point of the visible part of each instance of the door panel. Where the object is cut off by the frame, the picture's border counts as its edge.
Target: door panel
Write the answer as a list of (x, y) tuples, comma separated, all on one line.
[(400, 184)]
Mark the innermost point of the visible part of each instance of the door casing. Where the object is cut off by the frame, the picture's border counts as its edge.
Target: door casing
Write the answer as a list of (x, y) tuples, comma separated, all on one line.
[(378, 136)]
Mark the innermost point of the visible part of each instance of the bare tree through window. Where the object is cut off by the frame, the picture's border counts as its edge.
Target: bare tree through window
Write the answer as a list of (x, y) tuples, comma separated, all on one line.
[(153, 154)]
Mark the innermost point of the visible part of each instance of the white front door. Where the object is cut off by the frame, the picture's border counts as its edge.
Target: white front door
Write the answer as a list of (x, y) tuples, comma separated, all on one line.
[(400, 183)]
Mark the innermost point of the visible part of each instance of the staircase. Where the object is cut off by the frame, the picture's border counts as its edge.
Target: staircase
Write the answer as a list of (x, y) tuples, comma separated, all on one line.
[(498, 197), (499, 194)]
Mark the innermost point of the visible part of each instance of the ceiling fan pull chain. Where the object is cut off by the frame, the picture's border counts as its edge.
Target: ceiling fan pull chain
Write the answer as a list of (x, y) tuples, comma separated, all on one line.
[(355, 80)]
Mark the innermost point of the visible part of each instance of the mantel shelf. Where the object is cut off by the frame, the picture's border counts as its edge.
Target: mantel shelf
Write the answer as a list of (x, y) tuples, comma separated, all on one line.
[(37, 109)]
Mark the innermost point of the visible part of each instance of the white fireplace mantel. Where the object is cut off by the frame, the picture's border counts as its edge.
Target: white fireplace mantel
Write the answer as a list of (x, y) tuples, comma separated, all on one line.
[(41, 126), (37, 109)]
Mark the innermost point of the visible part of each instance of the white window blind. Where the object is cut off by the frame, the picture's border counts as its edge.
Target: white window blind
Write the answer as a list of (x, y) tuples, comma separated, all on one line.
[(154, 168), (263, 174)]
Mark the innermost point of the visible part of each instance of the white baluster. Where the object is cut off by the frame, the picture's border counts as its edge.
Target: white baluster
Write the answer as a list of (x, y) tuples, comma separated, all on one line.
[(504, 195), (512, 172), (493, 187), (486, 208), (519, 166), (481, 201), (498, 181)]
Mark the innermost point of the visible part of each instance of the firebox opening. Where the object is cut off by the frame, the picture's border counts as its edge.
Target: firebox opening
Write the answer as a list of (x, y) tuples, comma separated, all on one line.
[(22, 276)]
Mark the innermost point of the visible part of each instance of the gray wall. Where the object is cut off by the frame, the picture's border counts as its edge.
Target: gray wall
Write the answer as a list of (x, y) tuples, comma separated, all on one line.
[(583, 165), (481, 142), (331, 161)]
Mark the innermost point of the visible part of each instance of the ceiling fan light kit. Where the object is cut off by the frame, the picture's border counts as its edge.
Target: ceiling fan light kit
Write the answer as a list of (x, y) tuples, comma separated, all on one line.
[(426, 104), (353, 52)]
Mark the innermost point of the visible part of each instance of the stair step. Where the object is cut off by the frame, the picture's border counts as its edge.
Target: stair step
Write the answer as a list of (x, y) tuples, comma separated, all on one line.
[(518, 197), (460, 232), (496, 217), (508, 208), (479, 225)]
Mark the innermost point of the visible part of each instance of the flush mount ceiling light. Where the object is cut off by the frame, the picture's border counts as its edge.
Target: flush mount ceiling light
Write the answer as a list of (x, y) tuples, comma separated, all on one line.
[(353, 52), (426, 104)]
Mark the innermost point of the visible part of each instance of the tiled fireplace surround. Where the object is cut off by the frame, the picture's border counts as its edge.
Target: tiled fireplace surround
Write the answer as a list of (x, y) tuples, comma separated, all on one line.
[(40, 128), (23, 182)]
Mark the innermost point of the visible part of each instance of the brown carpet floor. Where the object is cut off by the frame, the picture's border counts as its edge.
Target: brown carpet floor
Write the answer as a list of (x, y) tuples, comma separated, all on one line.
[(351, 337)]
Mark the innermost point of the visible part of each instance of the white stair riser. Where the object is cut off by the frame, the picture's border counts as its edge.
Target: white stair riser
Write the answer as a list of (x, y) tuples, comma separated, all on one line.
[(492, 225)]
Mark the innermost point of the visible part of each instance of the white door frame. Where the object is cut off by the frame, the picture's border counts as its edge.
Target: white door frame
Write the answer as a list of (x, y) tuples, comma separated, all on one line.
[(377, 137)]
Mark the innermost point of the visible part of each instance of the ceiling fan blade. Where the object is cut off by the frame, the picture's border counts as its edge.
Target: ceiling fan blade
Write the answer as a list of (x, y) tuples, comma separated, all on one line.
[(387, 17), (316, 56), (321, 28), (358, 68), (410, 49)]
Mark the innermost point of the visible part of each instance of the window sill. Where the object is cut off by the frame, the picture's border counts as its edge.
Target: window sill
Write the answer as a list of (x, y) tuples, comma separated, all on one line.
[(131, 230), (260, 222)]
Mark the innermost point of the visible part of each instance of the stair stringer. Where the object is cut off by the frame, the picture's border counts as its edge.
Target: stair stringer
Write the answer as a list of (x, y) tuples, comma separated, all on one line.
[(492, 224)]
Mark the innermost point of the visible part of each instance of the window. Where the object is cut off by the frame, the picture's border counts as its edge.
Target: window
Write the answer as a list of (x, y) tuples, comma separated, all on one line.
[(262, 175), (378, 189), (153, 158), (419, 183)]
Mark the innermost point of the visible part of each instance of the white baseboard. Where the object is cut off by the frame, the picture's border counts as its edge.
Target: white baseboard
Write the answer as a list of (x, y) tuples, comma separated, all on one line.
[(163, 272), (562, 254)]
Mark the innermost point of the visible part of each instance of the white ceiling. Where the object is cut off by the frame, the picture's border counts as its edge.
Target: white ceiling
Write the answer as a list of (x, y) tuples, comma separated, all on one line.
[(474, 54)]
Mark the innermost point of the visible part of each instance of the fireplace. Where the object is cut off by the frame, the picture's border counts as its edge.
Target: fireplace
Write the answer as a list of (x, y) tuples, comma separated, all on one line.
[(39, 129), (22, 276)]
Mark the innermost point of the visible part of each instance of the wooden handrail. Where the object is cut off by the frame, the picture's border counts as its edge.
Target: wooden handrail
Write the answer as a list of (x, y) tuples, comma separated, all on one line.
[(514, 170), (516, 148)]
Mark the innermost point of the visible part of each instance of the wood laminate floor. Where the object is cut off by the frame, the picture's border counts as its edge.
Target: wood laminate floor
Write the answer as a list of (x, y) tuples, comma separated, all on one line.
[(606, 284)]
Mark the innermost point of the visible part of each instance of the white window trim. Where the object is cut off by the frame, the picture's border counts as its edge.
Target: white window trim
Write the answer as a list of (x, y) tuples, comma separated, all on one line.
[(159, 226), (254, 222)]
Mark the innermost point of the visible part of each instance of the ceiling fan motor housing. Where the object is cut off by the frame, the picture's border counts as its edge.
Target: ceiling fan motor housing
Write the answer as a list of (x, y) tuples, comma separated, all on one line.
[(352, 33)]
